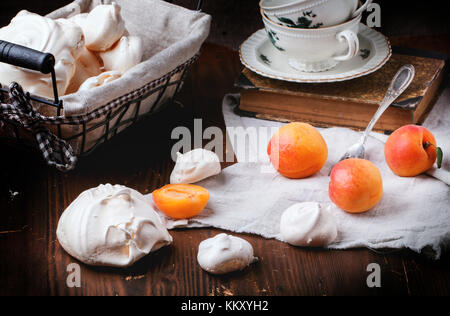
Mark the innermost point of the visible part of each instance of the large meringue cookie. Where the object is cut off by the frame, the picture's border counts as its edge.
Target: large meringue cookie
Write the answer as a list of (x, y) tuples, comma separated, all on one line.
[(195, 166), (224, 254), (103, 27), (61, 38), (124, 55), (308, 225), (100, 80), (111, 226)]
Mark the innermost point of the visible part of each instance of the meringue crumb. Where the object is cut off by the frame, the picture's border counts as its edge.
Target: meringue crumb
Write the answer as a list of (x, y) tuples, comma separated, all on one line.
[(135, 277)]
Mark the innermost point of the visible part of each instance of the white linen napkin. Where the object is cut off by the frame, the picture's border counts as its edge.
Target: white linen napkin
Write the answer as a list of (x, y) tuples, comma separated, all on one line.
[(414, 212)]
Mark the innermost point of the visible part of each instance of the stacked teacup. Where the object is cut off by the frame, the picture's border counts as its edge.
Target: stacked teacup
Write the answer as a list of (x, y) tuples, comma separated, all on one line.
[(314, 35)]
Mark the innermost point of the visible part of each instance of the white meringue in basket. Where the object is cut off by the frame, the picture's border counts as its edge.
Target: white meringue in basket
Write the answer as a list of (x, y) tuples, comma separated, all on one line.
[(224, 254), (103, 27), (79, 19), (195, 166), (103, 78), (87, 65), (308, 225), (125, 54), (63, 40), (111, 226)]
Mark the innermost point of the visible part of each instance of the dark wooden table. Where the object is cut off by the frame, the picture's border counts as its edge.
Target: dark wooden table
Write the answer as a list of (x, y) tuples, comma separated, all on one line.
[(33, 263)]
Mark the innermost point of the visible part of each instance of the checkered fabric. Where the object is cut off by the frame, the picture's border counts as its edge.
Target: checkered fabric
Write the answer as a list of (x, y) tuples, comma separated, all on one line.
[(21, 111)]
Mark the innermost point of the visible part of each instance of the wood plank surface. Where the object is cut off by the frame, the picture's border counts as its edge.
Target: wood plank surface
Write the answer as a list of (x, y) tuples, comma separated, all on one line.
[(32, 198), (33, 263)]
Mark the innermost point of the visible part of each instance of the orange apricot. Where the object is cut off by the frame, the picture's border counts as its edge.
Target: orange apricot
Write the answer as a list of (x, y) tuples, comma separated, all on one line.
[(410, 151), (297, 150), (356, 185), (181, 201)]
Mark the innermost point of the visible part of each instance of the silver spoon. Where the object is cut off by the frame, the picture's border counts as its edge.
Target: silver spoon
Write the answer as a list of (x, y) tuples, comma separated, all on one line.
[(401, 81)]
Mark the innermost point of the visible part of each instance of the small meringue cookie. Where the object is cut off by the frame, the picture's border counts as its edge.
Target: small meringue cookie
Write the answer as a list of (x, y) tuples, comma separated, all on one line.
[(195, 166), (308, 225), (124, 55), (111, 226), (79, 19), (87, 65), (59, 37), (100, 80), (224, 254), (103, 27), (72, 9)]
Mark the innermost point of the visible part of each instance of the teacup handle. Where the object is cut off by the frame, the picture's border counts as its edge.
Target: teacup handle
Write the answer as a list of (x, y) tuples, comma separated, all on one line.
[(353, 44), (361, 9)]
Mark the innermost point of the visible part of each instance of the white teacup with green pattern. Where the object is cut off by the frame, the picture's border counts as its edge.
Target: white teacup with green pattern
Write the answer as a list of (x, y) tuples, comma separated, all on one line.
[(315, 50), (310, 14)]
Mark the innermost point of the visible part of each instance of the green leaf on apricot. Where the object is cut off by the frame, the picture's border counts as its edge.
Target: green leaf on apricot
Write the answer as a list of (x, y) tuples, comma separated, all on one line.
[(440, 157)]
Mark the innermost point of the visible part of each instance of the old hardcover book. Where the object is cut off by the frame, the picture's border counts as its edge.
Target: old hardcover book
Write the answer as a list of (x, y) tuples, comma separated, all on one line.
[(349, 103)]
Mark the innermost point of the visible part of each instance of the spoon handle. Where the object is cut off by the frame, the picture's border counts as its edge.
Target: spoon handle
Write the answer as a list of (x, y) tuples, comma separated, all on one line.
[(401, 81)]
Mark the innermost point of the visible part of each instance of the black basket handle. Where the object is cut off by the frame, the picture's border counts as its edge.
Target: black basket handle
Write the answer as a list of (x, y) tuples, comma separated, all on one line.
[(25, 57), (28, 58)]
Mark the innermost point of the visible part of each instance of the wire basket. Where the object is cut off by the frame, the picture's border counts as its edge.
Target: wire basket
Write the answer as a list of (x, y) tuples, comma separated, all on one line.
[(62, 139)]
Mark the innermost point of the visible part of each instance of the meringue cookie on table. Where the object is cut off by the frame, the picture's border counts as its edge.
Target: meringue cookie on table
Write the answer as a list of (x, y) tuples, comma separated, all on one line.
[(195, 166), (103, 27), (61, 38), (124, 55), (308, 225), (111, 226), (100, 80), (224, 254)]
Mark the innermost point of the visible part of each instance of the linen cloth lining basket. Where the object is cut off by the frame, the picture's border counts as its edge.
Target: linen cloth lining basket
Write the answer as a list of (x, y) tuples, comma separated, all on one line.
[(172, 38)]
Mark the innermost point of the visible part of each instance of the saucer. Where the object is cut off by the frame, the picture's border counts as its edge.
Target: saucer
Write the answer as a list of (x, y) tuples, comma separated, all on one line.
[(259, 55)]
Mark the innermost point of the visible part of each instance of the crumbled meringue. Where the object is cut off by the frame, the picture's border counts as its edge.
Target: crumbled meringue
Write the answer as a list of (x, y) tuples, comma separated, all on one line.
[(195, 166), (308, 225), (224, 254), (103, 27), (111, 226), (124, 55), (103, 78), (61, 38)]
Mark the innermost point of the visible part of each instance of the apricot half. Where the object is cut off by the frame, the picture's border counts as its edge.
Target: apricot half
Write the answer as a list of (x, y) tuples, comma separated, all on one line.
[(297, 150), (356, 185), (181, 201), (410, 151)]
